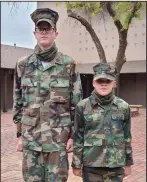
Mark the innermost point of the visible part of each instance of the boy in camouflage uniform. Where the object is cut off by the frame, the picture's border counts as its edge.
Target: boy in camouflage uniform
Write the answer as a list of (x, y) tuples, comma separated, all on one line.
[(46, 90), (102, 140)]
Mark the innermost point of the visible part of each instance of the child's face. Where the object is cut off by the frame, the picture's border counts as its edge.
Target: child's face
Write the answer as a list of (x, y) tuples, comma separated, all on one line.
[(104, 86)]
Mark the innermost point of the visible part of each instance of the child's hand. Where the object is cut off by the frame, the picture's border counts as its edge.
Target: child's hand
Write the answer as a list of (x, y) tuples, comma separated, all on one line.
[(127, 170), (77, 172)]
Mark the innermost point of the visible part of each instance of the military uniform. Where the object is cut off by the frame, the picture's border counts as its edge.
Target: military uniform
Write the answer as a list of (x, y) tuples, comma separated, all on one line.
[(102, 138), (44, 103)]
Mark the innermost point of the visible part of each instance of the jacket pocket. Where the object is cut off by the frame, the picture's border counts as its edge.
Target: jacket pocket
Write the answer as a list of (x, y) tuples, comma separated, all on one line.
[(92, 117), (93, 124), (117, 121), (62, 120), (61, 128), (59, 89), (119, 140), (117, 117), (89, 142)]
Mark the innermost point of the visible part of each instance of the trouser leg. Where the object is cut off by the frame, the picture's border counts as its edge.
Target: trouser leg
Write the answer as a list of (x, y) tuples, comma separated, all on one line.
[(95, 174), (56, 167), (91, 174), (31, 166)]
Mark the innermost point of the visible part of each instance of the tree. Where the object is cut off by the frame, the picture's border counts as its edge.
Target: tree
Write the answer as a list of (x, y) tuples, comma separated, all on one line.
[(15, 6), (122, 14)]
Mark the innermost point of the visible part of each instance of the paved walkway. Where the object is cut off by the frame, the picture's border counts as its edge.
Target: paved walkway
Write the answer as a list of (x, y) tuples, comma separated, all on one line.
[(11, 160)]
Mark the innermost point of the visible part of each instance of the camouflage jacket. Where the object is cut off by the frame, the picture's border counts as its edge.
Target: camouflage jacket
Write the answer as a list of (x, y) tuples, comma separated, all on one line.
[(45, 100), (102, 136)]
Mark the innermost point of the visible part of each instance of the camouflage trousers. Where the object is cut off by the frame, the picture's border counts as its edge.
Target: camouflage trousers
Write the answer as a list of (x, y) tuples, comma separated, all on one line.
[(95, 174), (45, 167)]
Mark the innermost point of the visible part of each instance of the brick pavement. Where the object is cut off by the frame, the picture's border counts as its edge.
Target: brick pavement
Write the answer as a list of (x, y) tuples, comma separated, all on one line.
[(11, 160)]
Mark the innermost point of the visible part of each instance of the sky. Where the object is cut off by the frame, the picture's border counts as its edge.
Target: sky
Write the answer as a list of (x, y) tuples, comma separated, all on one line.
[(16, 24)]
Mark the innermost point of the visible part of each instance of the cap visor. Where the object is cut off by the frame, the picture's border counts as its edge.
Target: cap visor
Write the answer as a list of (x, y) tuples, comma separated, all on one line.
[(46, 20), (103, 77)]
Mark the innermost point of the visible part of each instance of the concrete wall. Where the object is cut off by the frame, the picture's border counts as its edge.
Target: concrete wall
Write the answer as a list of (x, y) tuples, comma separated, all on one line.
[(75, 41)]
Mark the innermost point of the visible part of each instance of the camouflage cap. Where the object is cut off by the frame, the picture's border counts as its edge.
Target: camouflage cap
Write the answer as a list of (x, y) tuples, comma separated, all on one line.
[(104, 70), (45, 14)]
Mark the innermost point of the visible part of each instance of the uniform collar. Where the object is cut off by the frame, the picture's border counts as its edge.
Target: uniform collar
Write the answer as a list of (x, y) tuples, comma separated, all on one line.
[(94, 102)]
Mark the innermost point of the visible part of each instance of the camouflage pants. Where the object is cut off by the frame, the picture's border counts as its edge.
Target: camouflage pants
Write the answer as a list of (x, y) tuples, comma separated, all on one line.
[(95, 174), (45, 167)]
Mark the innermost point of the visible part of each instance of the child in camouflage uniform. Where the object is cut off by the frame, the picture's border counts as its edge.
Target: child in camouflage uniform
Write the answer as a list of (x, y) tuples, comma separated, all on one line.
[(102, 138)]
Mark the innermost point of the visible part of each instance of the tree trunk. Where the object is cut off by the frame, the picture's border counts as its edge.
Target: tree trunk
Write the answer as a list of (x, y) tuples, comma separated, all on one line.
[(92, 33), (117, 89)]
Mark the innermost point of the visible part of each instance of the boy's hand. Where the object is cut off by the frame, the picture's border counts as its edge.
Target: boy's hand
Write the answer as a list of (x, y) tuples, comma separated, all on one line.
[(127, 170), (69, 146), (77, 172), (19, 144)]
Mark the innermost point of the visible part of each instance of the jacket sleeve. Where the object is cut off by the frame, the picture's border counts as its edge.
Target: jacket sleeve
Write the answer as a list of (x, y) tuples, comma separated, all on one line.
[(17, 98), (76, 94), (128, 138), (78, 138)]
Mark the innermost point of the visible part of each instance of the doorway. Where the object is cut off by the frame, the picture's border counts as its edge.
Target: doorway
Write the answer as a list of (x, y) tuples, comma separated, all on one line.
[(87, 87)]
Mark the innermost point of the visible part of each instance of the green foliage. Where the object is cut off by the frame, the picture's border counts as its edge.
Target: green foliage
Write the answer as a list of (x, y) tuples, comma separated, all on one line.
[(123, 10), (90, 8)]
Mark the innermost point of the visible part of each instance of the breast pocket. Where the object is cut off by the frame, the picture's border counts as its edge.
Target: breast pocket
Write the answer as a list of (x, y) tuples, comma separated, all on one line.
[(29, 87), (59, 89), (93, 125), (92, 120), (117, 121), (92, 117)]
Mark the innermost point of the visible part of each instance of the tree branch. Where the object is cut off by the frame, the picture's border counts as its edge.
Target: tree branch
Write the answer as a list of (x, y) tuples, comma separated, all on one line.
[(137, 6), (112, 13), (120, 58), (92, 33)]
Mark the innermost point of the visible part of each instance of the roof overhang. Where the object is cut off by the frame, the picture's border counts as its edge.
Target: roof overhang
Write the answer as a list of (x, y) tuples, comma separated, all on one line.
[(128, 67)]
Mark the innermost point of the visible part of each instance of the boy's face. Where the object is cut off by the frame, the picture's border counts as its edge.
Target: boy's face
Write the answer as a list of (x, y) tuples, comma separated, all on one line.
[(45, 34), (104, 86)]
